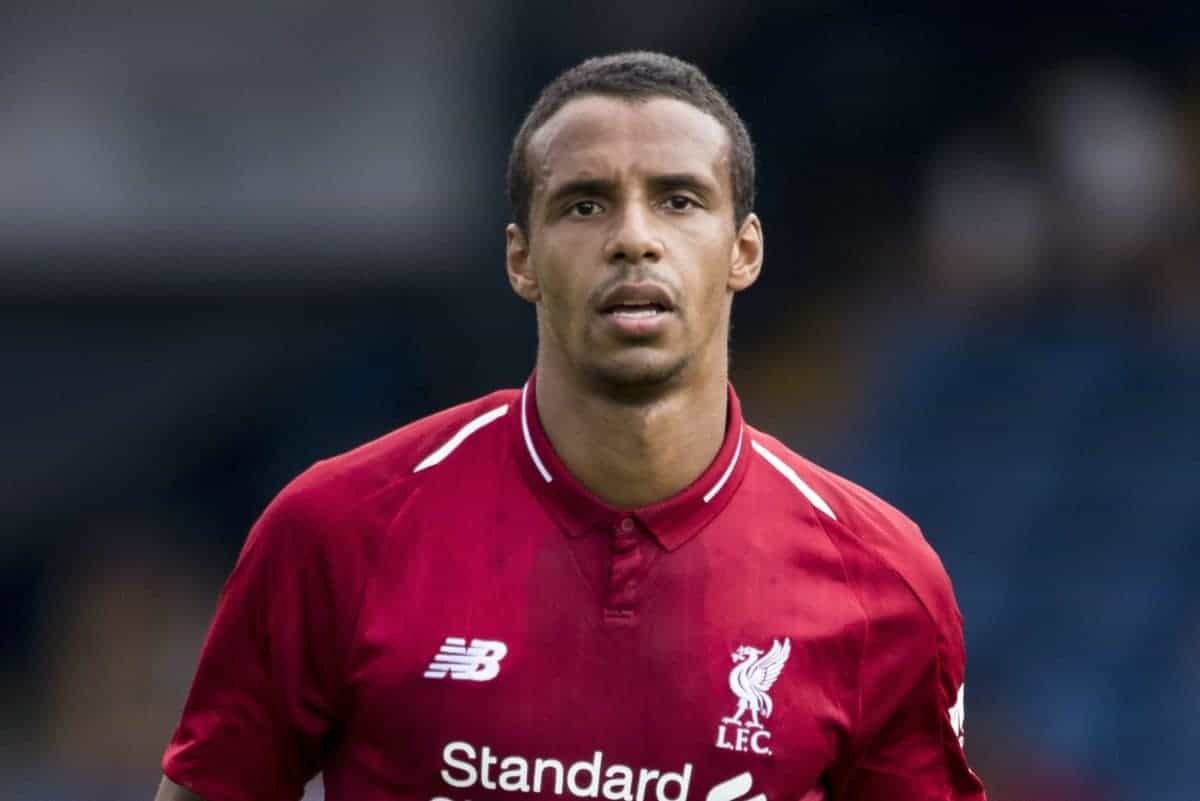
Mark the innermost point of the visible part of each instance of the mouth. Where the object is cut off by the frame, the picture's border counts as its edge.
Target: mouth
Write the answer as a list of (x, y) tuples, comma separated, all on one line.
[(636, 311), (637, 301)]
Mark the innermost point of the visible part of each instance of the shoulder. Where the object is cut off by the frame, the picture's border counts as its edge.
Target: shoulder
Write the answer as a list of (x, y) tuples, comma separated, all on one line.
[(883, 548), (360, 489), (398, 455)]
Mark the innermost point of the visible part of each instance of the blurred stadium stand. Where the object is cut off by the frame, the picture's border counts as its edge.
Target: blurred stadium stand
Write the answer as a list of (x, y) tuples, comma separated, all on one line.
[(234, 240)]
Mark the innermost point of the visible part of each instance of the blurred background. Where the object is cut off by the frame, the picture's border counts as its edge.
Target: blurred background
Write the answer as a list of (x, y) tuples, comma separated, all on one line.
[(235, 239)]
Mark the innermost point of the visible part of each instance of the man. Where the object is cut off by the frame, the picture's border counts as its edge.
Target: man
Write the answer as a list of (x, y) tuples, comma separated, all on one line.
[(605, 584)]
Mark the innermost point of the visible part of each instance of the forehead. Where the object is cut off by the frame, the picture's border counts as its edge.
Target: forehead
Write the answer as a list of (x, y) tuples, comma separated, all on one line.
[(596, 136)]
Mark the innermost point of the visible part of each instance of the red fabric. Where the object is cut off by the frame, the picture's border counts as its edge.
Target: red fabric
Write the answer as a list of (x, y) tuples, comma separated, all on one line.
[(623, 634)]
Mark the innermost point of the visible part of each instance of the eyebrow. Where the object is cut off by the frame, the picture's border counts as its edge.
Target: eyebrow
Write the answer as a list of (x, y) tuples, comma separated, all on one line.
[(581, 186), (682, 180), (605, 186)]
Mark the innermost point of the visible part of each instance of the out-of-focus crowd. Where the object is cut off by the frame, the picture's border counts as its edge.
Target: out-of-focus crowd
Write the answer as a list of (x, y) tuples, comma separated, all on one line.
[(981, 300)]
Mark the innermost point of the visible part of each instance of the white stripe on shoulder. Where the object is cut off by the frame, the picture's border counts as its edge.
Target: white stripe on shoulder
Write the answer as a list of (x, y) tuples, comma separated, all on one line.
[(459, 436), (797, 482)]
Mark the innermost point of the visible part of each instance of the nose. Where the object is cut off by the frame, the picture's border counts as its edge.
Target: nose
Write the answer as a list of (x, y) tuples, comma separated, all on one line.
[(633, 238)]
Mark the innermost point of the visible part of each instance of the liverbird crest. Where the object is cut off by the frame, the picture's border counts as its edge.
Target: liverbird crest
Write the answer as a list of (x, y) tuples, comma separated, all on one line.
[(753, 675)]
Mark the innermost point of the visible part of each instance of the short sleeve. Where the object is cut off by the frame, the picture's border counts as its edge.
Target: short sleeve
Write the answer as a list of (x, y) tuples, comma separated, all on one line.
[(914, 700), (266, 691)]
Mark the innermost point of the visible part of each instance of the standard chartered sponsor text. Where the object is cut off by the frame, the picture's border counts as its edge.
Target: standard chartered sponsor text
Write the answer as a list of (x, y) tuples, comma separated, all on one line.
[(467, 766)]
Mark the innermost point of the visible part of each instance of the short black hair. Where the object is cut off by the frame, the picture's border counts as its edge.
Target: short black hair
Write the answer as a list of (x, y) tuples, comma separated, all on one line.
[(635, 75)]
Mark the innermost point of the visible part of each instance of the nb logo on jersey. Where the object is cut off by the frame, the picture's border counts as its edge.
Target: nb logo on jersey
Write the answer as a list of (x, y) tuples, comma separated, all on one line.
[(734, 788), (479, 661)]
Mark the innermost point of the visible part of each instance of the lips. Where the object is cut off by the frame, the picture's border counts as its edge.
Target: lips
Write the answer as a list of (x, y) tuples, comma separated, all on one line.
[(636, 300), (638, 311)]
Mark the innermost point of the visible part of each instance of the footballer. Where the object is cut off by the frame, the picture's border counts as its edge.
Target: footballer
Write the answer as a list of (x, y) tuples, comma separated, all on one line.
[(605, 584)]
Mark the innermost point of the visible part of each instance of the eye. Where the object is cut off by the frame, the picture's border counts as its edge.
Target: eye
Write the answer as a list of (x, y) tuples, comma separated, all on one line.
[(585, 208), (680, 203)]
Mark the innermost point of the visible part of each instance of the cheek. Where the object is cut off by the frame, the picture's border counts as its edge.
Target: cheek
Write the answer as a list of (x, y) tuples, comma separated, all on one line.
[(562, 292), (713, 283), (715, 301)]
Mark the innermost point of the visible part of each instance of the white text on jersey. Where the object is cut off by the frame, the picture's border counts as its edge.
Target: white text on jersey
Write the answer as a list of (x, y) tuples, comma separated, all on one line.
[(467, 766)]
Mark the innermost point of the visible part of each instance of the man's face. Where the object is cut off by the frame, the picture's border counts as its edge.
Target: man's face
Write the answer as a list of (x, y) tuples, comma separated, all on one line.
[(631, 254)]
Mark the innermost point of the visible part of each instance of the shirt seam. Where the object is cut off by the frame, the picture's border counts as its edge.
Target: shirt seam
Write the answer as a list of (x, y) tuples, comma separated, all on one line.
[(866, 636), (862, 608), (400, 479), (352, 645), (375, 556), (928, 615)]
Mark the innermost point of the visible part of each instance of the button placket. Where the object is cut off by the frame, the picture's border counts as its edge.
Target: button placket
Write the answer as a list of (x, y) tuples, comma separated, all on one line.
[(625, 568)]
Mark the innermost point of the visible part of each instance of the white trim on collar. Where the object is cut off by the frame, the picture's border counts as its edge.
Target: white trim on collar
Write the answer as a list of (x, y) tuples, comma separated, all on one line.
[(708, 496), (537, 460)]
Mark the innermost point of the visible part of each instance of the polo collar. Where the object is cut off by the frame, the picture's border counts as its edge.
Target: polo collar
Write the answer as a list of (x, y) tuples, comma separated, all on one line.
[(672, 522)]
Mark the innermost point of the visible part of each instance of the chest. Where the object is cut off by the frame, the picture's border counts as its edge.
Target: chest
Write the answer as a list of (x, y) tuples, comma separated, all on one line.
[(600, 667)]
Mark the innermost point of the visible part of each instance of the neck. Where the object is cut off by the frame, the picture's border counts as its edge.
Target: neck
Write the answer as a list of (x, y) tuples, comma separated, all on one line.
[(632, 453)]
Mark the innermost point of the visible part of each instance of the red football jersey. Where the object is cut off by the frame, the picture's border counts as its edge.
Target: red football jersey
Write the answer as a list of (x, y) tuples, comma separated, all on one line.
[(446, 614)]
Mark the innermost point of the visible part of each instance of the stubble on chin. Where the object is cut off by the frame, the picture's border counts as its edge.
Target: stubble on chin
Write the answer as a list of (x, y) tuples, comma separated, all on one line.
[(638, 383)]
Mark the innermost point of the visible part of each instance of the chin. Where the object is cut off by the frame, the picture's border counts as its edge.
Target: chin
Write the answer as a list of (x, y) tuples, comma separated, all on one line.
[(637, 377)]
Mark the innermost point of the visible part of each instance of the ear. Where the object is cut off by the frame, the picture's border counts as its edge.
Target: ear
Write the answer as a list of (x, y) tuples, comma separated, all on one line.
[(520, 271), (747, 256)]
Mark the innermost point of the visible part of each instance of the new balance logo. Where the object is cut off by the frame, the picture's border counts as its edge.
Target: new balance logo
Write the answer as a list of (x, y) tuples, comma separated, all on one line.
[(479, 661), (734, 788)]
